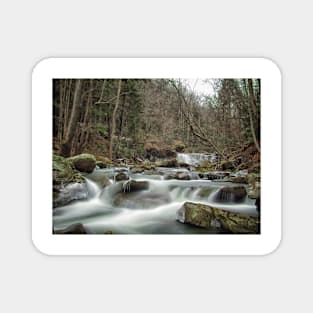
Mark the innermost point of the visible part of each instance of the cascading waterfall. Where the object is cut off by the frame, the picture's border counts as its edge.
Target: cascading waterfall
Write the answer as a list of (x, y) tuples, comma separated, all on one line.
[(120, 209), (93, 189), (196, 158)]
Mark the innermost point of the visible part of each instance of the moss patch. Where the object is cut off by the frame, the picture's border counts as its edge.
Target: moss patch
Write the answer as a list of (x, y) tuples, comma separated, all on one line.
[(63, 172)]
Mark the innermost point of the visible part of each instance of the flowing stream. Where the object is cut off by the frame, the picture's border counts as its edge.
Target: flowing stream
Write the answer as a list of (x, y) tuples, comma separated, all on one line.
[(149, 211)]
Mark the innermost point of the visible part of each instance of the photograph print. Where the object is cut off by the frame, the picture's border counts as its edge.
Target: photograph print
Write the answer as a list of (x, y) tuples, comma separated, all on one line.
[(156, 156)]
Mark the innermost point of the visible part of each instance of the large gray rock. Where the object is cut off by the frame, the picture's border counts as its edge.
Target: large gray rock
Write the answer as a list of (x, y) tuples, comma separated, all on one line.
[(134, 185), (121, 176), (230, 194), (69, 193), (83, 162), (216, 219), (100, 178)]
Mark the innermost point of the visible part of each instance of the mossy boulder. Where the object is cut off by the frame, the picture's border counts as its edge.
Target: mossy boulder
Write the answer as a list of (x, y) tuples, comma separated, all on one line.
[(121, 176), (63, 172), (83, 162), (68, 184), (216, 219)]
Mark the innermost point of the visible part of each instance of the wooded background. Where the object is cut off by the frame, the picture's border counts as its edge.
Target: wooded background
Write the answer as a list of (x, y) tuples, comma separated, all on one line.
[(117, 118)]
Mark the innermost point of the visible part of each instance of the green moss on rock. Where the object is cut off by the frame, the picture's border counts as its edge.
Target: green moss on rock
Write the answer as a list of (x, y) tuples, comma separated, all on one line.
[(212, 218), (63, 172), (64, 175), (83, 162)]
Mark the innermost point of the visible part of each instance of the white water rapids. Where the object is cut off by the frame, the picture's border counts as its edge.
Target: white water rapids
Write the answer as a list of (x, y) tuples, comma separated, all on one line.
[(151, 211), (195, 158)]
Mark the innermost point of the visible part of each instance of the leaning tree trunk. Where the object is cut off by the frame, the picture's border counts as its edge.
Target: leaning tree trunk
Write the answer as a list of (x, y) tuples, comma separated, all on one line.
[(113, 125), (67, 144), (252, 109)]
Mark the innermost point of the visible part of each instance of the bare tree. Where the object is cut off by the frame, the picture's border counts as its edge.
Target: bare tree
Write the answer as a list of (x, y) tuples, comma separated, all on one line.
[(252, 109), (113, 118), (67, 144)]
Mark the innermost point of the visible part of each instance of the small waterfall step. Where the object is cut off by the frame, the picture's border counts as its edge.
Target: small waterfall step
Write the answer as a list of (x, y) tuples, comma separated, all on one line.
[(192, 158), (93, 188)]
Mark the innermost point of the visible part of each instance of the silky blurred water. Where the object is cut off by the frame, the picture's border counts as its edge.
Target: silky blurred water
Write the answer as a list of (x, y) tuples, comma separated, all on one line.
[(151, 211)]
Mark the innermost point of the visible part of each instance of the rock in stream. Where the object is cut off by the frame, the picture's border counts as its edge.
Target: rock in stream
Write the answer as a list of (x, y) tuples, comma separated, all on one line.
[(212, 218)]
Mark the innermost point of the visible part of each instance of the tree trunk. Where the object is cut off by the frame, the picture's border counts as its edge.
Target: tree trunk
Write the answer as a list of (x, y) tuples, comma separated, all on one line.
[(113, 124), (252, 109), (61, 113), (67, 144), (67, 108), (86, 121), (121, 124)]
